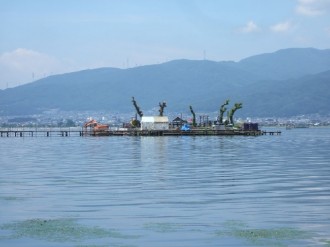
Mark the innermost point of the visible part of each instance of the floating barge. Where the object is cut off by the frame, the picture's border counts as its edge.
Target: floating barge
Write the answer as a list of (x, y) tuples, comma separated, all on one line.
[(130, 132), (174, 132)]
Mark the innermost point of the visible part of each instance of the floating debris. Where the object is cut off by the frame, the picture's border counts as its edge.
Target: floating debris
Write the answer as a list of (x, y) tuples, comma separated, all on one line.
[(58, 230)]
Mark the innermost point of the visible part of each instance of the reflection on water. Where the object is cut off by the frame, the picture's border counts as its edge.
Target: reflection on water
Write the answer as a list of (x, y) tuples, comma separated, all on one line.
[(166, 191)]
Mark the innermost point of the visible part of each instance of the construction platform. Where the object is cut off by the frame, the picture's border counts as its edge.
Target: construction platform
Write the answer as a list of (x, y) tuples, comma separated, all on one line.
[(56, 132)]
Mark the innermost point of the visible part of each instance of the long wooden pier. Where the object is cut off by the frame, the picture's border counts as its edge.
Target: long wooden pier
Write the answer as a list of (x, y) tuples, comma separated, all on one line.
[(66, 132), (39, 133)]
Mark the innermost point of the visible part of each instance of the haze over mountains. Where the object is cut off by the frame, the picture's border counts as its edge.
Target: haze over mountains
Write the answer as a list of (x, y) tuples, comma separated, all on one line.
[(284, 83)]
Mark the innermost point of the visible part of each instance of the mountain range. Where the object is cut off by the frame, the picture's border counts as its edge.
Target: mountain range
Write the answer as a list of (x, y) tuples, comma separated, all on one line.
[(287, 82)]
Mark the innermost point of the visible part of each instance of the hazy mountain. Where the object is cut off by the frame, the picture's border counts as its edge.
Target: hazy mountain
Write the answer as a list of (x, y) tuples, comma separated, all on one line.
[(288, 63), (306, 95), (284, 83)]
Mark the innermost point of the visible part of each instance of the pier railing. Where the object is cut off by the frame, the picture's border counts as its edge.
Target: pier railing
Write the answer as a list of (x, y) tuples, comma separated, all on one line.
[(40, 132)]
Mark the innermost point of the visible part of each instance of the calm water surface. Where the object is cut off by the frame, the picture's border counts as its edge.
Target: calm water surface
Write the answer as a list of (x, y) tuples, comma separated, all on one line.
[(166, 191)]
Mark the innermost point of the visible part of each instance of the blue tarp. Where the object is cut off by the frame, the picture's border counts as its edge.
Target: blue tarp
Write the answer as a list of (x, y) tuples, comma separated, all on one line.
[(185, 127)]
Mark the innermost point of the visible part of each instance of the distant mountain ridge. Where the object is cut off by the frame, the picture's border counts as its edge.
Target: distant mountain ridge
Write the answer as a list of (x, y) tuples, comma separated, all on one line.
[(288, 63), (284, 83)]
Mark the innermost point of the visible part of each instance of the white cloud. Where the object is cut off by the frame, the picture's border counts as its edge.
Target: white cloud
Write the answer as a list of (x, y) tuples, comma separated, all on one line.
[(23, 65), (23, 59), (281, 27), (249, 28), (313, 7)]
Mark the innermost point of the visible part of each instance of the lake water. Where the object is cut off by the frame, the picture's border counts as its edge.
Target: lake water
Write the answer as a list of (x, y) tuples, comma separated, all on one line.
[(166, 191)]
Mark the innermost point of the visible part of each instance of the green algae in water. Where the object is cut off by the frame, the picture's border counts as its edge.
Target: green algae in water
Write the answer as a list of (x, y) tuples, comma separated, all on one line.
[(58, 230), (266, 237), (93, 245), (11, 198), (326, 242), (112, 245), (107, 245), (162, 227)]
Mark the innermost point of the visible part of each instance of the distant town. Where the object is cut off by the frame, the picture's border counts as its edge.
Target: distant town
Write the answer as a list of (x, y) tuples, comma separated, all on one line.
[(55, 118)]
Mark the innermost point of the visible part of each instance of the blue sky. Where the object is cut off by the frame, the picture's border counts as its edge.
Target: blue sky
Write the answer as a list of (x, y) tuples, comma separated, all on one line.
[(39, 38)]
